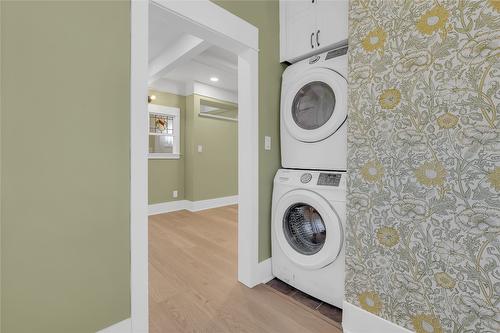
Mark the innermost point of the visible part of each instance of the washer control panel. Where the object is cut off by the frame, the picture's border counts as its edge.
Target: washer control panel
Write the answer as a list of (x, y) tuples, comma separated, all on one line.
[(329, 179), (305, 178)]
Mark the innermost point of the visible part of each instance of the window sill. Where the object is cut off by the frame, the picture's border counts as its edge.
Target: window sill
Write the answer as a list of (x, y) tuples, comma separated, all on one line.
[(163, 156)]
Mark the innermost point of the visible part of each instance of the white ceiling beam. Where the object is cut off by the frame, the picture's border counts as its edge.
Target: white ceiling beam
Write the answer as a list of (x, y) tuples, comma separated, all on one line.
[(183, 50), (218, 63), (211, 91), (169, 86)]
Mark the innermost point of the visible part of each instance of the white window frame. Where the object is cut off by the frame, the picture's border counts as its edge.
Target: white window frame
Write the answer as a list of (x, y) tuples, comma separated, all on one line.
[(171, 112)]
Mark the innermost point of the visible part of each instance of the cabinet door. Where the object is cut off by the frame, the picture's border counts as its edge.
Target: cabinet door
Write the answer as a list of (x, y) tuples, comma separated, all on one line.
[(300, 28), (297, 7), (332, 21)]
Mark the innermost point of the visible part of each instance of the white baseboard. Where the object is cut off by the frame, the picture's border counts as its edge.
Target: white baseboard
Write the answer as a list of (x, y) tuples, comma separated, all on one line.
[(166, 207), (192, 206), (213, 203), (123, 326), (357, 320), (265, 271)]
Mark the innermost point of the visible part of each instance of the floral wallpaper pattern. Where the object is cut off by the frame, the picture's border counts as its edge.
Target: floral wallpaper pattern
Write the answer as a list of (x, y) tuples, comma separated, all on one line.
[(423, 245)]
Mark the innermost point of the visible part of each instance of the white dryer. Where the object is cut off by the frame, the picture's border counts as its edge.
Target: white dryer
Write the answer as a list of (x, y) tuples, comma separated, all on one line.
[(314, 112), (308, 222)]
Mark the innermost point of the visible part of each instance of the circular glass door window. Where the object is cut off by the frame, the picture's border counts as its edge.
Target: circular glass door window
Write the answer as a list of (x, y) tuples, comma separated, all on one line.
[(313, 105), (304, 229)]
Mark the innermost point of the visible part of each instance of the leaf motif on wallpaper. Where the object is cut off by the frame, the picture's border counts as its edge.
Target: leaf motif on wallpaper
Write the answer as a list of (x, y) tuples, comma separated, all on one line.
[(484, 47), (424, 163), (413, 62)]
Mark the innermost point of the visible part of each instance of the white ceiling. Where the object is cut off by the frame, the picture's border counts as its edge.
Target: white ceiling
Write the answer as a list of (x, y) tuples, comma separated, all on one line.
[(185, 58), (206, 65)]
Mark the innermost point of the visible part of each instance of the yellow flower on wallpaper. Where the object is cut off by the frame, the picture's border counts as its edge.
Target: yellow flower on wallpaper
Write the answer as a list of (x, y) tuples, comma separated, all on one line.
[(370, 301), (431, 174), (436, 161), (433, 20), (372, 171), (494, 178), (388, 236), (389, 98), (447, 120), (495, 4), (444, 280), (426, 324), (374, 40)]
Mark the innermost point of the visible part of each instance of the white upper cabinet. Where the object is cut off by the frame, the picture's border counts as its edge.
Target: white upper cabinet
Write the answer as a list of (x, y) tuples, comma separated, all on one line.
[(301, 34), (311, 26), (332, 21)]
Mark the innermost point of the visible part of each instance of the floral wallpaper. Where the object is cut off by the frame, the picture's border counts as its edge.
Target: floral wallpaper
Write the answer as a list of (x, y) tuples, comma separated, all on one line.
[(423, 245)]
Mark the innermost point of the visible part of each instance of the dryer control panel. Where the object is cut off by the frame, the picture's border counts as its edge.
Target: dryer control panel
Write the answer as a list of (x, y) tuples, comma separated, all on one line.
[(329, 179)]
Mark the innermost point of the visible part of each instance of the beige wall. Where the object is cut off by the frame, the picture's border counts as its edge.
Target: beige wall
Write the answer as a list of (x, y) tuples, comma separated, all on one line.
[(424, 172), (65, 165), (265, 16), (165, 176), (213, 173)]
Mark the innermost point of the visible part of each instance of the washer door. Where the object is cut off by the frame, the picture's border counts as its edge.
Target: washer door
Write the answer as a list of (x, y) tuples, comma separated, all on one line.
[(315, 106), (308, 229)]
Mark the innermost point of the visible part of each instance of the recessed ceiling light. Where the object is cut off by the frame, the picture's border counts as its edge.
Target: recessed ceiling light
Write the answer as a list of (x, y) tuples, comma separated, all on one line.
[(214, 79)]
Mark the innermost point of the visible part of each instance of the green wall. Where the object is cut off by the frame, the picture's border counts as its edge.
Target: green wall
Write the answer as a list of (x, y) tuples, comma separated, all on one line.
[(213, 173), (265, 16), (424, 164), (1, 168), (210, 174), (65, 166), (165, 176), (65, 73)]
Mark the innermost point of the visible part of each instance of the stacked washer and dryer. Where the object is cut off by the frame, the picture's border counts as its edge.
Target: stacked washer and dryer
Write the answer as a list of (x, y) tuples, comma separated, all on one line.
[(309, 196)]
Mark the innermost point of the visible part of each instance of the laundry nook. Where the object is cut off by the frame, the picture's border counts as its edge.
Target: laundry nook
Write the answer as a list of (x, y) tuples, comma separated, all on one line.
[(258, 166)]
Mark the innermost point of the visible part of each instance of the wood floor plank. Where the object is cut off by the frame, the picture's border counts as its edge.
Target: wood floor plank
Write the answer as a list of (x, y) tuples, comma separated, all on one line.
[(193, 281)]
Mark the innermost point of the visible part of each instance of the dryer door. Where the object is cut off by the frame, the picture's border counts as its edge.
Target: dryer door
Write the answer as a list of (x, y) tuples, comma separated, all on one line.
[(315, 106), (308, 229)]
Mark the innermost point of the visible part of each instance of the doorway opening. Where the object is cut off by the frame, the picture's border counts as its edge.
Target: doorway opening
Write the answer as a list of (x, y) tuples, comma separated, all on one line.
[(204, 33), (192, 175)]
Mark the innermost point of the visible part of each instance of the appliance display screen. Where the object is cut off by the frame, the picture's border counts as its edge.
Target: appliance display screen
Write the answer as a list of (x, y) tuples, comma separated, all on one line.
[(329, 179), (336, 53)]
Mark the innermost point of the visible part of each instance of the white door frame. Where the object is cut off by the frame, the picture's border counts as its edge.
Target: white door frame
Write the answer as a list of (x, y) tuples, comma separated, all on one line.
[(224, 29)]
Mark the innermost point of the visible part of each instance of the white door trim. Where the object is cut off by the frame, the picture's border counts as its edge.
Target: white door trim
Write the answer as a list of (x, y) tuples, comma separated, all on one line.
[(139, 310), (219, 27), (214, 20)]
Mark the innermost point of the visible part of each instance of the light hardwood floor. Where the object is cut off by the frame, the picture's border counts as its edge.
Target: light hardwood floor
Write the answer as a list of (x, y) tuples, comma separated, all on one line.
[(193, 281)]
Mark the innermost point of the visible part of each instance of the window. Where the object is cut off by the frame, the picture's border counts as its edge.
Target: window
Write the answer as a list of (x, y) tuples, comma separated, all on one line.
[(164, 132)]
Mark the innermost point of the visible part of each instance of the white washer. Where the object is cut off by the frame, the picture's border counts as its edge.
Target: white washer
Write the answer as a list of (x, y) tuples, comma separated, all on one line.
[(308, 223), (314, 112)]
